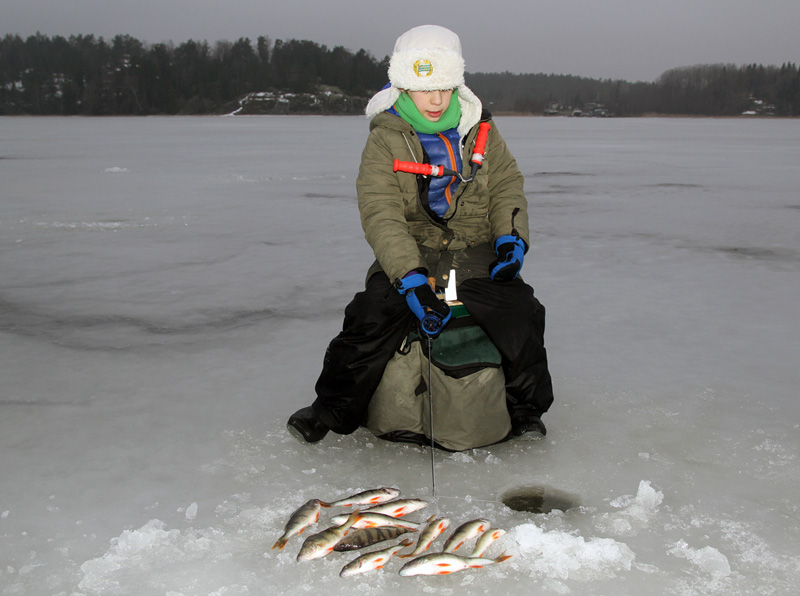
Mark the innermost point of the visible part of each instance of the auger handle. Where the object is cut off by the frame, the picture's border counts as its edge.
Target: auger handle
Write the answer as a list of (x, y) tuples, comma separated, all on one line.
[(426, 169), (480, 143)]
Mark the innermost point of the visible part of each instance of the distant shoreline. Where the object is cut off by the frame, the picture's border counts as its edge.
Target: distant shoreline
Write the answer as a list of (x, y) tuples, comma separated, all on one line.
[(502, 114)]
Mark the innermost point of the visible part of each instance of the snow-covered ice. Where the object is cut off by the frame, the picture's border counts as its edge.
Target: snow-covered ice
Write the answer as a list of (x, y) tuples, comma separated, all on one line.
[(168, 287)]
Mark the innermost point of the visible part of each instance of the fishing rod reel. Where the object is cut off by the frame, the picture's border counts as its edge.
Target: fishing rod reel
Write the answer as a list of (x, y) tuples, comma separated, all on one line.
[(432, 324), (426, 169)]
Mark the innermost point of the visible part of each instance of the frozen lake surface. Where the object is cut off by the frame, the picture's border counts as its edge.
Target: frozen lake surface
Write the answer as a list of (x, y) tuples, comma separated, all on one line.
[(168, 287)]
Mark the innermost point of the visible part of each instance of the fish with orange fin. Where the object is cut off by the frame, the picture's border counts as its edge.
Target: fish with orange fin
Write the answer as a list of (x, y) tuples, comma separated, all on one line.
[(446, 563), (397, 508), (377, 520), (304, 516), (431, 532), (373, 560), (322, 543), (485, 541), (464, 532), (367, 497)]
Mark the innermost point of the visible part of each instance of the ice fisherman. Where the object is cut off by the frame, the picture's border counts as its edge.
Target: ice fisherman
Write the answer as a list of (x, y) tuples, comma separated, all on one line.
[(420, 227)]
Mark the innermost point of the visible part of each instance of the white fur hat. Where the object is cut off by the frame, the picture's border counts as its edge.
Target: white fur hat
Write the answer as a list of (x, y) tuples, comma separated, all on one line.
[(427, 58)]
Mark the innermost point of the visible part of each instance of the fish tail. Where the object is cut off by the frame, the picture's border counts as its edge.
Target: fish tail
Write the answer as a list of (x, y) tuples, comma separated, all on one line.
[(503, 557), (280, 543), (353, 518), (413, 553)]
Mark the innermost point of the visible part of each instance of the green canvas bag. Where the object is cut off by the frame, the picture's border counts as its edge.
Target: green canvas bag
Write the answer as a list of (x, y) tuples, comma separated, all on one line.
[(467, 385)]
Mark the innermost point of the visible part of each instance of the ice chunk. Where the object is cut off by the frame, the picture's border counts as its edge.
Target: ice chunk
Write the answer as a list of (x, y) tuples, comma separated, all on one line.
[(191, 512), (636, 511), (560, 555), (148, 551), (708, 558)]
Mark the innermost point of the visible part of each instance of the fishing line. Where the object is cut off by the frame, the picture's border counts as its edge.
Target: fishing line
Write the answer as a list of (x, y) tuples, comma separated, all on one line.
[(430, 415)]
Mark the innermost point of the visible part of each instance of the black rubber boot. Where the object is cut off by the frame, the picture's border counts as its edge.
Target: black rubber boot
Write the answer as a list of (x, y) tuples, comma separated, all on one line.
[(407, 436), (528, 426), (306, 427)]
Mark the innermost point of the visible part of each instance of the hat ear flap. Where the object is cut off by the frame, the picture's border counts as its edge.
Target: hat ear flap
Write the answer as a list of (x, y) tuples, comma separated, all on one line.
[(382, 101), (471, 109)]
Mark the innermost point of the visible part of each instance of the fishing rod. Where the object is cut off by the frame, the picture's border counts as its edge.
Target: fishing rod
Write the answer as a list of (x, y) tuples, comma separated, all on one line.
[(431, 326), (432, 323), (430, 415)]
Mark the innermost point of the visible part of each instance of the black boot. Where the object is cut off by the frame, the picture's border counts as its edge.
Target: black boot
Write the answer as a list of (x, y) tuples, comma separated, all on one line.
[(406, 436), (528, 426), (306, 427)]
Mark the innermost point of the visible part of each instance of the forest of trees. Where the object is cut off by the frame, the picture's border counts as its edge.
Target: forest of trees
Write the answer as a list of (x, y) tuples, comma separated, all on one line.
[(87, 75), (90, 76), (703, 90)]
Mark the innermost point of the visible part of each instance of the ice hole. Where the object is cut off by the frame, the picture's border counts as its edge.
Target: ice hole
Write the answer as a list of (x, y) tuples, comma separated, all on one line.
[(538, 499)]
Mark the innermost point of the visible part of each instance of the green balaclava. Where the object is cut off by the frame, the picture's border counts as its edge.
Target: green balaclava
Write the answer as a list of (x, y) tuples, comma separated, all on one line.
[(409, 112)]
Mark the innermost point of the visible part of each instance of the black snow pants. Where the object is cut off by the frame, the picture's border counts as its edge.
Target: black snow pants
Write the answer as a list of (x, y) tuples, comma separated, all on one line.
[(378, 319)]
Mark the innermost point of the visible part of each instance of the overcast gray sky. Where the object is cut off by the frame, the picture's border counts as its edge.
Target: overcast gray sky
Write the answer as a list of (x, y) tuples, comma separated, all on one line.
[(618, 39)]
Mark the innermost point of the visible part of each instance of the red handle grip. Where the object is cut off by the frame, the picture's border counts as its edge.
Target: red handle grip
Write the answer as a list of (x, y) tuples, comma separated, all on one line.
[(412, 167), (480, 142)]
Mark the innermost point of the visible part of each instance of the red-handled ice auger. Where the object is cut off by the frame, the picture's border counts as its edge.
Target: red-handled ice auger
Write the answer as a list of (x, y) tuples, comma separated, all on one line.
[(426, 169)]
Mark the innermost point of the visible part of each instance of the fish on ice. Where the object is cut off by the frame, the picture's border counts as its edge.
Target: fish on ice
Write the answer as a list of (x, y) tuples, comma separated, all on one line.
[(377, 520), (367, 497), (435, 527), (368, 537), (373, 560), (485, 541), (465, 532), (322, 543), (445, 563), (398, 508), (304, 516)]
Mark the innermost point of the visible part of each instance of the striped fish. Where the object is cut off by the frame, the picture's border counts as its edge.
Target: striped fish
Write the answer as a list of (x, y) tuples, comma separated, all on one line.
[(368, 537)]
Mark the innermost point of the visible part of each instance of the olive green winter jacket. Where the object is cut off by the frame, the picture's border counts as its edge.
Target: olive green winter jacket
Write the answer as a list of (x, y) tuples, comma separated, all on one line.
[(404, 236)]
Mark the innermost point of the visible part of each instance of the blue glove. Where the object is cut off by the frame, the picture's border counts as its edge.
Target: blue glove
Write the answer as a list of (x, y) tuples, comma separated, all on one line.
[(432, 312), (510, 254)]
